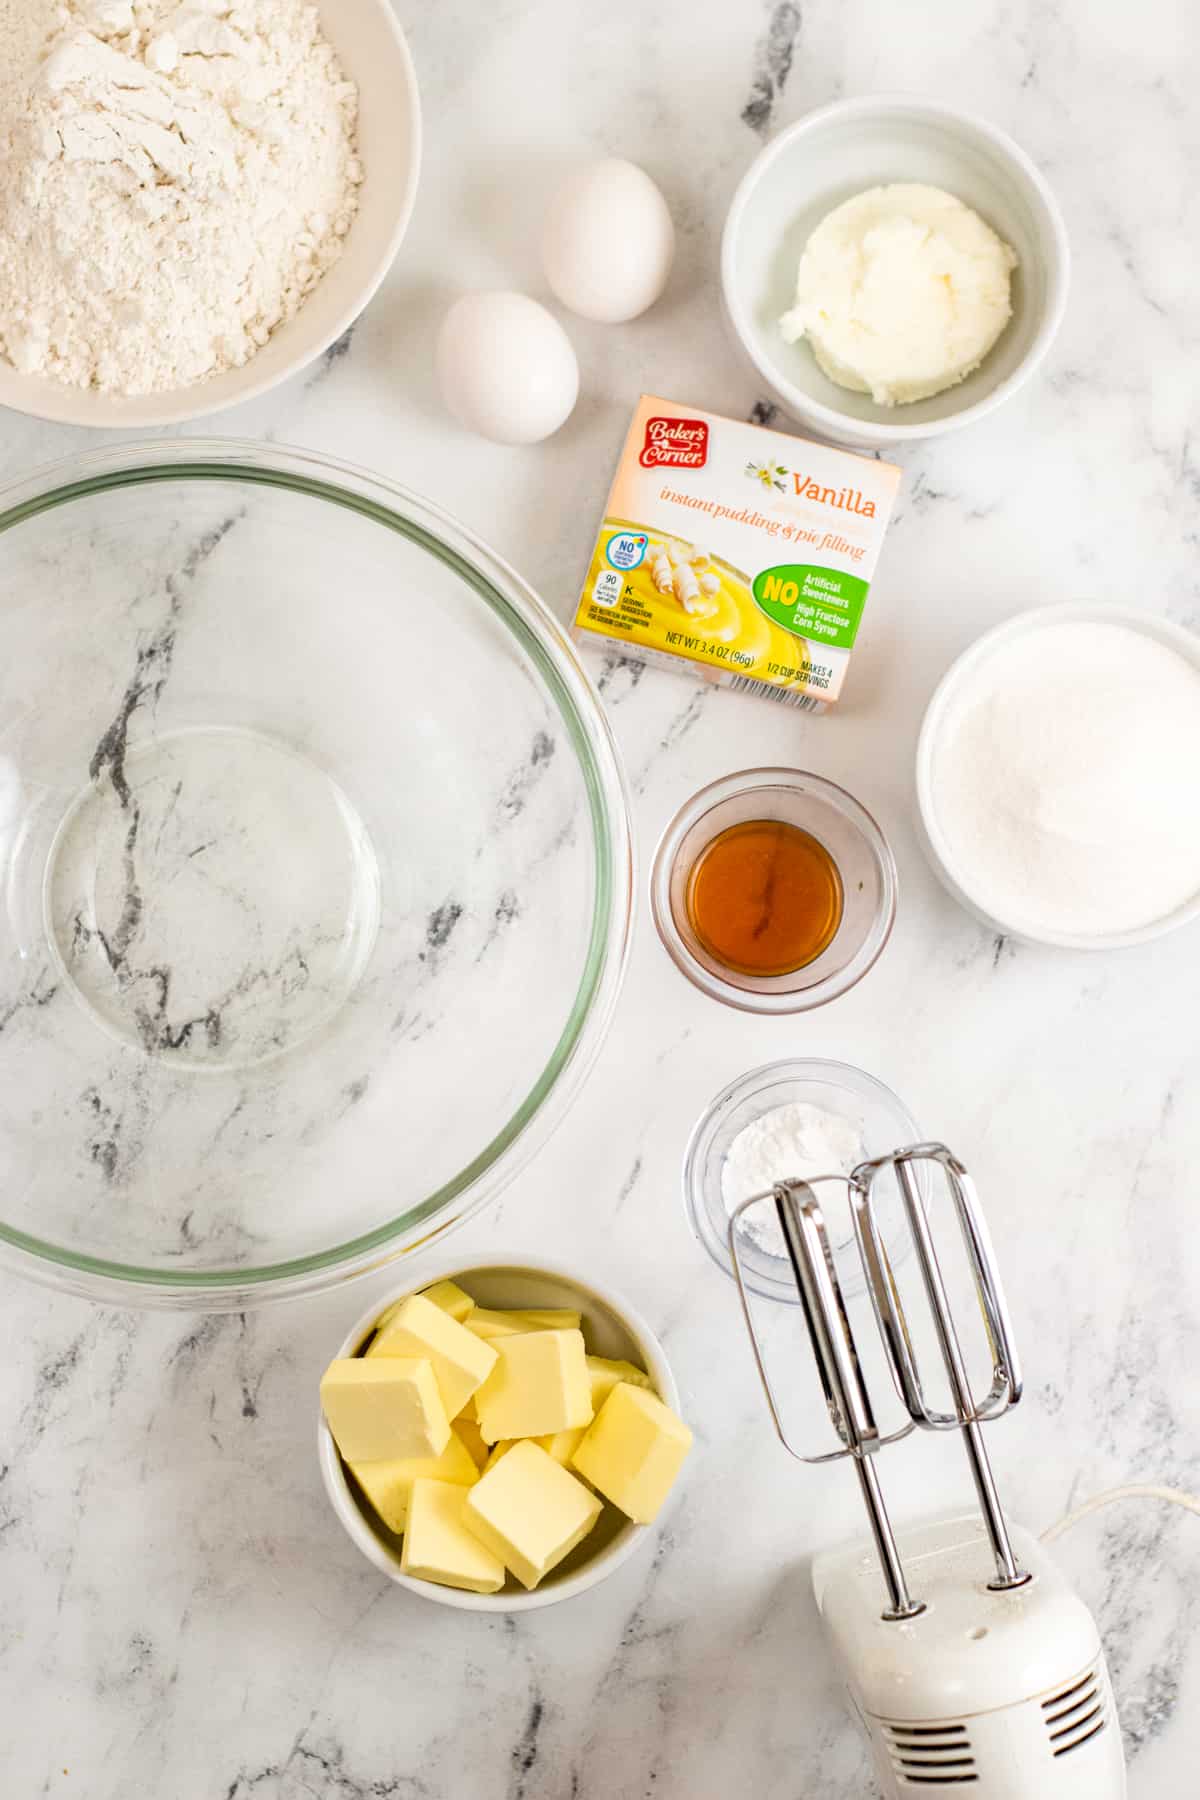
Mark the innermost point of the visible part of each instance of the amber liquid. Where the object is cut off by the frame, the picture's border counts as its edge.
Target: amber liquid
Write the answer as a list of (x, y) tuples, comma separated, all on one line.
[(764, 898)]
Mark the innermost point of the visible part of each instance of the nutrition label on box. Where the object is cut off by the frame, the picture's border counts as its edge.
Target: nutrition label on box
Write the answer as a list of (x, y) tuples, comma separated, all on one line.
[(608, 587)]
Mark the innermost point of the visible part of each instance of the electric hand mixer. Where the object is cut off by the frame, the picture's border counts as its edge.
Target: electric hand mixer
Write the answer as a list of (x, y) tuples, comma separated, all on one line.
[(987, 1675)]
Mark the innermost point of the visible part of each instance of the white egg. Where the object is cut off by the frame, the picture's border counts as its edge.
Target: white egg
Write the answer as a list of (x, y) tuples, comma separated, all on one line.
[(608, 242), (506, 367)]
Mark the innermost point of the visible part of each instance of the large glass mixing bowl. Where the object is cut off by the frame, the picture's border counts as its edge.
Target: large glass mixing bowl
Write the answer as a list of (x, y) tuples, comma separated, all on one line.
[(315, 872)]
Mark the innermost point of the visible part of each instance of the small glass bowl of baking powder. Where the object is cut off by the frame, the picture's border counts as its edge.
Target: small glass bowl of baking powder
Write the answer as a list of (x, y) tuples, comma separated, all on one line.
[(801, 1109)]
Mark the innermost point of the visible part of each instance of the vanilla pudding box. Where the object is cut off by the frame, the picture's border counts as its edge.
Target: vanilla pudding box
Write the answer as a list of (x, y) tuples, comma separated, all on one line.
[(743, 552)]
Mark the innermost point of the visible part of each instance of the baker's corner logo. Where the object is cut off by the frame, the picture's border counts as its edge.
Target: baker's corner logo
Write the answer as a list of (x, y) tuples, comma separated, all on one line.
[(789, 481), (675, 444)]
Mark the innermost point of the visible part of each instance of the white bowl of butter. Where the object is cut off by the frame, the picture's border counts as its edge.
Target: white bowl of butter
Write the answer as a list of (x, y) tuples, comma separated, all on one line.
[(831, 157), (612, 1329)]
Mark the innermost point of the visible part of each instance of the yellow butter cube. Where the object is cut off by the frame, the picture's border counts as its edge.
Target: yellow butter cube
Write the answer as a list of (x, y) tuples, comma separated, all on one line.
[(381, 1410), (388, 1485), (438, 1545), (446, 1294), (487, 1324), (539, 1385), (461, 1361), (604, 1376), (561, 1445), (530, 1511), (633, 1450), (451, 1298), (466, 1429)]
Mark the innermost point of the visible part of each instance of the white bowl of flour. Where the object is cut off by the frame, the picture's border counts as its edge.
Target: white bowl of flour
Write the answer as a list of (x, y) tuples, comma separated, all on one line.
[(197, 197), (1057, 777)]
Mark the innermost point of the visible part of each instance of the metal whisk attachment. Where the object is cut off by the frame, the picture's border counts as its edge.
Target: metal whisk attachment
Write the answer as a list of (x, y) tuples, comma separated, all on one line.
[(802, 1222)]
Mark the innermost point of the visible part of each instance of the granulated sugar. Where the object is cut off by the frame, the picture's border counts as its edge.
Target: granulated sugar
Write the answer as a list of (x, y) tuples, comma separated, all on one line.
[(1066, 780)]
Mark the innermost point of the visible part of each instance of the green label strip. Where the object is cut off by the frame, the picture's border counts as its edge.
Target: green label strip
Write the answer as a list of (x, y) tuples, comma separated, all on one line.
[(822, 604)]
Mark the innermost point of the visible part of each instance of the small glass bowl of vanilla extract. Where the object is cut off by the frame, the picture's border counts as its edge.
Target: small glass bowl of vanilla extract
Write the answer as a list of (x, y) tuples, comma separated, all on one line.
[(773, 890)]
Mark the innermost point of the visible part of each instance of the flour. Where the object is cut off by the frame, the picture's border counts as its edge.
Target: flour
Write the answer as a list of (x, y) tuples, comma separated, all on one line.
[(794, 1142), (175, 178)]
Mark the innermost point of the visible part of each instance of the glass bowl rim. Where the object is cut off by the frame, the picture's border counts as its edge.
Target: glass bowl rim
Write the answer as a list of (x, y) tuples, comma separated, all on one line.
[(542, 639), (728, 787)]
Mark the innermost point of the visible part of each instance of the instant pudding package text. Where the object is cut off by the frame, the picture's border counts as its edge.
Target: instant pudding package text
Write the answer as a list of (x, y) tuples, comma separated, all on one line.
[(738, 549)]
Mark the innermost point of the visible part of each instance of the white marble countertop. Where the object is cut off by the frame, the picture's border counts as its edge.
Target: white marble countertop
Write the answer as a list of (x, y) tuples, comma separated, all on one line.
[(180, 1615)]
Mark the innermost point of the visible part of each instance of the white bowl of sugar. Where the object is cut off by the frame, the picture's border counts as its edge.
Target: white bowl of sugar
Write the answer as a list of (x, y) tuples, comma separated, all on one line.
[(1056, 777)]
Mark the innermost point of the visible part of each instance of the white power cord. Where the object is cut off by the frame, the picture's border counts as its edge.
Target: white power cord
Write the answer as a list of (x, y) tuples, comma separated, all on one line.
[(1135, 1491)]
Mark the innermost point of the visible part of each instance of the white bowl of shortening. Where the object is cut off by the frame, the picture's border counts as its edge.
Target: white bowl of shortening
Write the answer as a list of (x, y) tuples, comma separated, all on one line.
[(291, 184), (1057, 777), (842, 150)]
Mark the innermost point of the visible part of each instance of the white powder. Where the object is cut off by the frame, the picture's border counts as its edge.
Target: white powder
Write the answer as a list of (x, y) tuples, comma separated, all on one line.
[(794, 1142), (1066, 779), (175, 178)]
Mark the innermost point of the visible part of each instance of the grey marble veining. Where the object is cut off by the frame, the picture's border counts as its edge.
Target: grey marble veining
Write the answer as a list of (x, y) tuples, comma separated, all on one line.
[(219, 945), (180, 1615)]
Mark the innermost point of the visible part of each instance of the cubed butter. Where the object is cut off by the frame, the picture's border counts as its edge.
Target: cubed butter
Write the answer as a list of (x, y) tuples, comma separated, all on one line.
[(562, 1445), (530, 1512), (604, 1376), (501, 1449), (461, 1361), (451, 1298), (466, 1429), (438, 1545), (446, 1294), (539, 1385), (633, 1450), (488, 1324), (378, 1411), (388, 1314), (388, 1485)]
